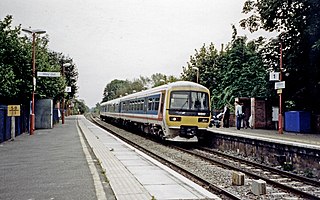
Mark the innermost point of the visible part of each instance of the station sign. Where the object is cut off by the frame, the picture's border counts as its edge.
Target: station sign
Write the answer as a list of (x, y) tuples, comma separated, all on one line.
[(68, 89), (13, 110), (48, 74), (274, 76), (280, 85)]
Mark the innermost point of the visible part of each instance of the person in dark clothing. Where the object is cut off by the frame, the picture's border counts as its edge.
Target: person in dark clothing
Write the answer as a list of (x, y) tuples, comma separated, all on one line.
[(226, 116), (246, 117)]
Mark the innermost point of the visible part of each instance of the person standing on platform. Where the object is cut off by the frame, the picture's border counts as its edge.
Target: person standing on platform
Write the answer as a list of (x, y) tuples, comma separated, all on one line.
[(226, 116), (238, 114)]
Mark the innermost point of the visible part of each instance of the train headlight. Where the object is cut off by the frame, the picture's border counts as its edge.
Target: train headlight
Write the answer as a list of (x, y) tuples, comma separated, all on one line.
[(175, 119), (203, 120)]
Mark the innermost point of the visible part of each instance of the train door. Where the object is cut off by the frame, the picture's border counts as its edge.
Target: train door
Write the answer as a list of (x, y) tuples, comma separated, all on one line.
[(161, 107)]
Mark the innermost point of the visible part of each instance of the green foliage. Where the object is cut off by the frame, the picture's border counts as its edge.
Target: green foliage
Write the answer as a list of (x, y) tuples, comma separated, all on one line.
[(114, 89), (79, 107), (206, 60), (15, 83), (117, 88), (158, 79), (288, 166), (16, 67), (96, 109), (237, 71), (308, 173), (299, 25)]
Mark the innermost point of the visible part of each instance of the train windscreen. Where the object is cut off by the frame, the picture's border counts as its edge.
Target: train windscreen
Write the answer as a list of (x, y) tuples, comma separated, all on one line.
[(189, 100)]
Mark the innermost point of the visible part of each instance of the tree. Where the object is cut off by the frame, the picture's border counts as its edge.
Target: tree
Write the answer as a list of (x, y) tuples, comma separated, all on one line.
[(70, 74), (114, 89), (158, 79), (79, 107), (16, 67), (242, 73), (299, 25), (97, 108), (117, 88), (237, 71), (206, 60)]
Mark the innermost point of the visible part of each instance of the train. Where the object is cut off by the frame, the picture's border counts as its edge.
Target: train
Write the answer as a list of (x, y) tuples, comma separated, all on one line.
[(178, 111)]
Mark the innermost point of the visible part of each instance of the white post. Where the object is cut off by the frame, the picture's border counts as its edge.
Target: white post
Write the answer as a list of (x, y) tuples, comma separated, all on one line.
[(13, 127)]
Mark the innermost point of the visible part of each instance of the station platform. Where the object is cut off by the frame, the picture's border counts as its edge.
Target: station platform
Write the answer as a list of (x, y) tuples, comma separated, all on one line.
[(290, 138), (135, 175), (59, 164)]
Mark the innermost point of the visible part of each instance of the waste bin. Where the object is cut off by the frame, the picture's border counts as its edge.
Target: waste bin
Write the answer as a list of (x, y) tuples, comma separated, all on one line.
[(297, 121)]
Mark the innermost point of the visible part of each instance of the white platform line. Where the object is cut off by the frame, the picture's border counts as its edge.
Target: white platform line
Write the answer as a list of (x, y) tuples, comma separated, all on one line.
[(95, 175)]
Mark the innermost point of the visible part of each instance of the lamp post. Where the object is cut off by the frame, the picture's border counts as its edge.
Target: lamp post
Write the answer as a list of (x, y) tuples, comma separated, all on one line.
[(63, 100), (280, 94), (197, 69), (33, 33)]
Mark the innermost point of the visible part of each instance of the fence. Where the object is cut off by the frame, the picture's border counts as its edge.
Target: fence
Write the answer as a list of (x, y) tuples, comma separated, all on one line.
[(21, 123)]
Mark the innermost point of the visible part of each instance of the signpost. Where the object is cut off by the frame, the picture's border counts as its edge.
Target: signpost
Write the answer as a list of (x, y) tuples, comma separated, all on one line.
[(13, 111), (280, 85), (48, 74)]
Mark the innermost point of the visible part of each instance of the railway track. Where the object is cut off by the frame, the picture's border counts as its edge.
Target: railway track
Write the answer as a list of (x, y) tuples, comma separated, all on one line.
[(205, 167), (224, 194), (289, 182)]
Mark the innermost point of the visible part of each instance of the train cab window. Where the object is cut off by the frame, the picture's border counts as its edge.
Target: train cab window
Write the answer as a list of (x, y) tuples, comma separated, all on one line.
[(179, 100), (199, 101), (186, 100)]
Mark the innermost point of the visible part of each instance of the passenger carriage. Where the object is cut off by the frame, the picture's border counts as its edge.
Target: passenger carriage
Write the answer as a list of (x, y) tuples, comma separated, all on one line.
[(177, 111)]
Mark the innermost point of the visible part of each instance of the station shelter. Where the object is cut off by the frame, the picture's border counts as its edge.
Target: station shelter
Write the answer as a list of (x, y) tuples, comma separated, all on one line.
[(260, 112)]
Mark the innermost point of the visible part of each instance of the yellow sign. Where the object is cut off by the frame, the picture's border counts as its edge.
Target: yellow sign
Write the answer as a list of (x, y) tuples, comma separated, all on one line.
[(279, 91), (13, 110)]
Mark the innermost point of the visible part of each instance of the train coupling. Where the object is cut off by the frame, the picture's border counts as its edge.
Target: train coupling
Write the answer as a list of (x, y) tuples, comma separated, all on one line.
[(188, 131)]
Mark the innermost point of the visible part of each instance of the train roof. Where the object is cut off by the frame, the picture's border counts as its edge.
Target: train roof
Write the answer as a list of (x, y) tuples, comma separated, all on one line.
[(158, 89)]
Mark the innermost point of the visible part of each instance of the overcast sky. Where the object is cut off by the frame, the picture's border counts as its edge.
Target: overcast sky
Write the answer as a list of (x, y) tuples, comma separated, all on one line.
[(123, 39)]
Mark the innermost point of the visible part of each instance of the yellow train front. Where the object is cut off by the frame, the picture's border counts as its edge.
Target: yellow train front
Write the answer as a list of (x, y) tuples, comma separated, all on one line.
[(187, 111)]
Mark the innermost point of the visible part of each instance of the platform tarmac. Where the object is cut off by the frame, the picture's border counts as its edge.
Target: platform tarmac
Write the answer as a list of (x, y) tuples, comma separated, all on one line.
[(57, 164), (48, 165)]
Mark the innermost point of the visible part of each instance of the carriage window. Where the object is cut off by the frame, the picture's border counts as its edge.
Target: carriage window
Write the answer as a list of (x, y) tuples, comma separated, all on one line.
[(156, 104), (134, 105), (150, 104), (141, 104)]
